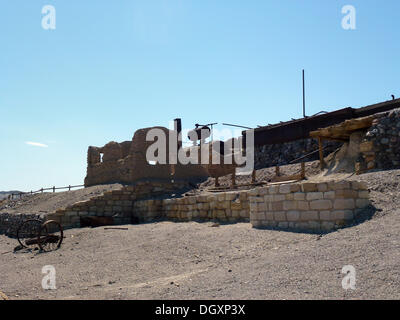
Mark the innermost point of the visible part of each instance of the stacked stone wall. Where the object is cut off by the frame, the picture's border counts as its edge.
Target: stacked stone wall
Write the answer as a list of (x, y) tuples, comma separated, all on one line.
[(224, 207), (380, 148), (316, 207), (118, 204), (282, 154)]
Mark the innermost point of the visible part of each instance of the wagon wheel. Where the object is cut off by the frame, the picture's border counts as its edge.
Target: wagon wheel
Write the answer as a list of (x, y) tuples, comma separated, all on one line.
[(50, 236), (28, 231)]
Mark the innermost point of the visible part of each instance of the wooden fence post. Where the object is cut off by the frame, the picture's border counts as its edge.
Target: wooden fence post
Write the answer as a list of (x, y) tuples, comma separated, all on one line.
[(277, 171), (303, 170), (253, 176)]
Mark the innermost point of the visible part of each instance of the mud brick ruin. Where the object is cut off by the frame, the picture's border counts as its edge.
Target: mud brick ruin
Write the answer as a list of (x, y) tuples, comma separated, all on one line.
[(126, 163)]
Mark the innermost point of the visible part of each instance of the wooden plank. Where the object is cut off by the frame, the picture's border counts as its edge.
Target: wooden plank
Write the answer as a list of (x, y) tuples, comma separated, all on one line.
[(294, 177)]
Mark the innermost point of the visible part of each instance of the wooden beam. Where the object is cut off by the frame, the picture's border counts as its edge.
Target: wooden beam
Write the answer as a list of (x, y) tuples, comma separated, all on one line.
[(339, 139), (234, 178), (321, 153), (253, 176)]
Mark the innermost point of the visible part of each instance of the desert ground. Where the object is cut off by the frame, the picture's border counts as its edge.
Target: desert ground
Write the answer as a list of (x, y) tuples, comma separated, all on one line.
[(166, 260)]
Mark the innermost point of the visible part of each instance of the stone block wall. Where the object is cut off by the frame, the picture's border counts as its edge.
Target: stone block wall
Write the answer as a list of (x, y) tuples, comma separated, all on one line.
[(224, 207), (316, 207), (9, 222), (118, 204), (301, 206)]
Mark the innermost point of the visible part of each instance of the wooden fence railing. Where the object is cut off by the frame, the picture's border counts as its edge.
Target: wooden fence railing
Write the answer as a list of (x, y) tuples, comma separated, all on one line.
[(20, 194)]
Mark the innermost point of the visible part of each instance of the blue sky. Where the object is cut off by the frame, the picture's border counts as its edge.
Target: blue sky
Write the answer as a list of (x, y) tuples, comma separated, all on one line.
[(112, 67)]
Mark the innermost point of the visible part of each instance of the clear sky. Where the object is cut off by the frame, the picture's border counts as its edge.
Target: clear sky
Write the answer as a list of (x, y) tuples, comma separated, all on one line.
[(112, 67)]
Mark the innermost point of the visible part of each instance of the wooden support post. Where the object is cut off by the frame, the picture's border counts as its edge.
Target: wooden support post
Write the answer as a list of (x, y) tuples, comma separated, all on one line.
[(277, 173), (253, 176), (234, 178), (321, 153), (303, 170), (216, 182)]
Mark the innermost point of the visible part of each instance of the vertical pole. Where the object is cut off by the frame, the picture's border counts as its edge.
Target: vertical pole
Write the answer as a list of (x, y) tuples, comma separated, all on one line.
[(178, 129), (321, 153), (253, 176), (216, 182), (234, 178), (303, 170), (54, 189), (277, 171), (304, 97)]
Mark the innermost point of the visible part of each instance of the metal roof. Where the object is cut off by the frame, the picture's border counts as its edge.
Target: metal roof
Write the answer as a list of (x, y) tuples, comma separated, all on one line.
[(297, 129)]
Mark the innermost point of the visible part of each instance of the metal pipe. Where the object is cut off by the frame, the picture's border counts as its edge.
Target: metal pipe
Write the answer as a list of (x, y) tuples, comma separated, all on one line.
[(304, 97), (235, 125)]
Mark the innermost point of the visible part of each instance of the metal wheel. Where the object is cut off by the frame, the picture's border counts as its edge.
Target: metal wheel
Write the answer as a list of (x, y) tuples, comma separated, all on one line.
[(50, 236), (28, 231)]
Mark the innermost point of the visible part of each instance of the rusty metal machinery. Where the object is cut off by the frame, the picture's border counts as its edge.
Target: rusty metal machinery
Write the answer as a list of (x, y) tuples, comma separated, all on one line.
[(48, 235), (200, 132)]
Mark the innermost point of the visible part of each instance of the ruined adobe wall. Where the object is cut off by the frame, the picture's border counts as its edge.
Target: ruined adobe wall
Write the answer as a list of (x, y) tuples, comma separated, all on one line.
[(315, 207), (380, 148), (126, 163), (281, 154)]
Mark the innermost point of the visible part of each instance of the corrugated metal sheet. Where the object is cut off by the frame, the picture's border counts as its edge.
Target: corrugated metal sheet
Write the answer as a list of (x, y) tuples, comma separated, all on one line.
[(301, 128)]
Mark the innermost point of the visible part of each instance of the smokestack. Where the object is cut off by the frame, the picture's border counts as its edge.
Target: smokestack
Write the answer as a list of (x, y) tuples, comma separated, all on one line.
[(178, 129)]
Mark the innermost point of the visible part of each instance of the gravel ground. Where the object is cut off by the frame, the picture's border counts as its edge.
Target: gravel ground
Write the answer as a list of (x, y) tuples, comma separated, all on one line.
[(166, 260)]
